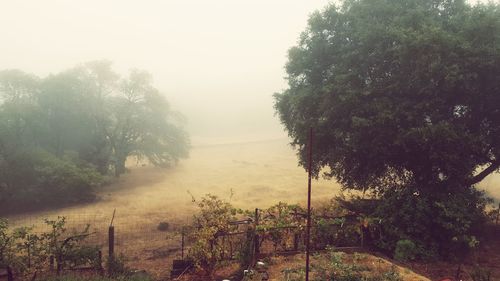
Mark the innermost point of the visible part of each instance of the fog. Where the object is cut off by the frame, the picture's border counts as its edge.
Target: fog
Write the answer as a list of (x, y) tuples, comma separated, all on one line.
[(218, 62)]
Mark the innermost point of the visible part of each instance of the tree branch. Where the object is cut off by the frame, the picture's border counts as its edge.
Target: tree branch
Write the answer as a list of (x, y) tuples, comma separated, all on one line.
[(479, 177)]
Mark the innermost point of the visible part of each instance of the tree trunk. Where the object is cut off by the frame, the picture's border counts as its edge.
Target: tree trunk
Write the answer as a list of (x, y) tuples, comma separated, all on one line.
[(120, 165)]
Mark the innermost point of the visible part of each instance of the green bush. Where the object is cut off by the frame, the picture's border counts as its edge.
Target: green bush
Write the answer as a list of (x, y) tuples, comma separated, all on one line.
[(213, 219), (406, 250), (332, 266), (36, 179), (440, 223), (27, 253), (163, 226), (480, 274), (116, 266)]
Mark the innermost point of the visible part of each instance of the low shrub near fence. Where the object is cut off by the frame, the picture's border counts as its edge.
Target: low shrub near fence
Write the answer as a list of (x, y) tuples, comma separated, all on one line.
[(221, 233), (24, 252)]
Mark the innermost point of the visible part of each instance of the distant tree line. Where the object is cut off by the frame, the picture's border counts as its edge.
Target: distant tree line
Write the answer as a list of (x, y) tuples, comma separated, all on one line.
[(62, 135)]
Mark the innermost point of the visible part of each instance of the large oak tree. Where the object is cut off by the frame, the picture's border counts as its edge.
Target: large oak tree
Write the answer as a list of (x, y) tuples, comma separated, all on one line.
[(404, 100), (397, 92)]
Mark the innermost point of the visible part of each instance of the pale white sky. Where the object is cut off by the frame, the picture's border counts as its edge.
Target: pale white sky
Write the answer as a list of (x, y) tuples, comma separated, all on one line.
[(218, 61)]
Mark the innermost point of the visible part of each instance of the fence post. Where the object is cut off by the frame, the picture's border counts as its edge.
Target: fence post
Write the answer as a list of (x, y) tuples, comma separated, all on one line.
[(256, 239), (51, 262), (111, 241), (10, 276), (362, 232), (59, 263), (498, 214), (222, 247), (182, 243), (295, 241), (29, 256), (230, 249)]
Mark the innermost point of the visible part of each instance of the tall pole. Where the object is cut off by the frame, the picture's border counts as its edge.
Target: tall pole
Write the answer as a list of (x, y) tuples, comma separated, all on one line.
[(308, 233)]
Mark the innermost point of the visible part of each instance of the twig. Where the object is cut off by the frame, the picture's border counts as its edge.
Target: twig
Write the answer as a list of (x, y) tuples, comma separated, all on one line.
[(112, 218)]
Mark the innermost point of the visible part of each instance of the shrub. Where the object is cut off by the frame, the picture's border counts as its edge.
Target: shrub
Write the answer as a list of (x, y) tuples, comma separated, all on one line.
[(36, 179), (272, 224), (441, 224), (213, 219), (163, 226), (480, 274), (116, 266), (406, 250), (26, 252)]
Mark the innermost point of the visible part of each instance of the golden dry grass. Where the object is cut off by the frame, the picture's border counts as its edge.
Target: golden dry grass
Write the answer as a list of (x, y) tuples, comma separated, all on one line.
[(257, 174)]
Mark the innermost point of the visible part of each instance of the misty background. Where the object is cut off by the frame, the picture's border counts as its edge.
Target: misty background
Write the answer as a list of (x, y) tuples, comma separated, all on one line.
[(217, 62)]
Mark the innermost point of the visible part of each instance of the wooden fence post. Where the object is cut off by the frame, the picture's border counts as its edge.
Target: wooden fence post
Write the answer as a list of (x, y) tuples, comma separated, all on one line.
[(182, 244), (256, 239), (51, 262), (295, 242), (362, 235), (59, 263), (10, 275), (111, 242)]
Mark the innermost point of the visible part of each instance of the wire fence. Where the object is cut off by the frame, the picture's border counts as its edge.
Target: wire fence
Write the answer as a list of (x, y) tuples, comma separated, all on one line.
[(134, 238)]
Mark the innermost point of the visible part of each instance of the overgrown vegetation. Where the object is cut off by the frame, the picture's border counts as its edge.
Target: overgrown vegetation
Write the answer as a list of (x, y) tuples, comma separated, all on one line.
[(27, 253), (211, 222), (61, 136), (337, 266), (403, 98), (100, 278)]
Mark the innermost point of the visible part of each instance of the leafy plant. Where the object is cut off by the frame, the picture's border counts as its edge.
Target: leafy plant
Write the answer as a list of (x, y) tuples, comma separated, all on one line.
[(480, 274), (116, 266), (406, 250), (212, 221), (279, 222)]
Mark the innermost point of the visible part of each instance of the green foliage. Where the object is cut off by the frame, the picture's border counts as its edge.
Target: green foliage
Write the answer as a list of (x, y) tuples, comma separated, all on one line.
[(440, 225), (332, 266), (26, 252), (403, 98), (405, 250), (212, 220), (480, 274), (397, 92), (334, 226), (279, 221), (116, 266), (68, 248)]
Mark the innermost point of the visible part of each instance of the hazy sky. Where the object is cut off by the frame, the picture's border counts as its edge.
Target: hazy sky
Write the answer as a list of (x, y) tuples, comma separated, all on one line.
[(218, 61)]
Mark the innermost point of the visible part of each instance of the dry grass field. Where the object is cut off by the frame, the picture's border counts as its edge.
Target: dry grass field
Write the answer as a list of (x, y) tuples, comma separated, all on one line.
[(251, 175)]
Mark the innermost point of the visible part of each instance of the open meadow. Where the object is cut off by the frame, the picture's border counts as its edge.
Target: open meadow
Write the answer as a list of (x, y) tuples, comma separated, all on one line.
[(249, 175)]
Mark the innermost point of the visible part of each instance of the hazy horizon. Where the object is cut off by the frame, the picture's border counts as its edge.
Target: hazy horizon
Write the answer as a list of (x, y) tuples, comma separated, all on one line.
[(218, 62)]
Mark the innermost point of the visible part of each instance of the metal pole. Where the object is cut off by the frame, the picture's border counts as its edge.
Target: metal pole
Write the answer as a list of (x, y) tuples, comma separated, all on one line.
[(308, 233), (256, 249), (182, 244)]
